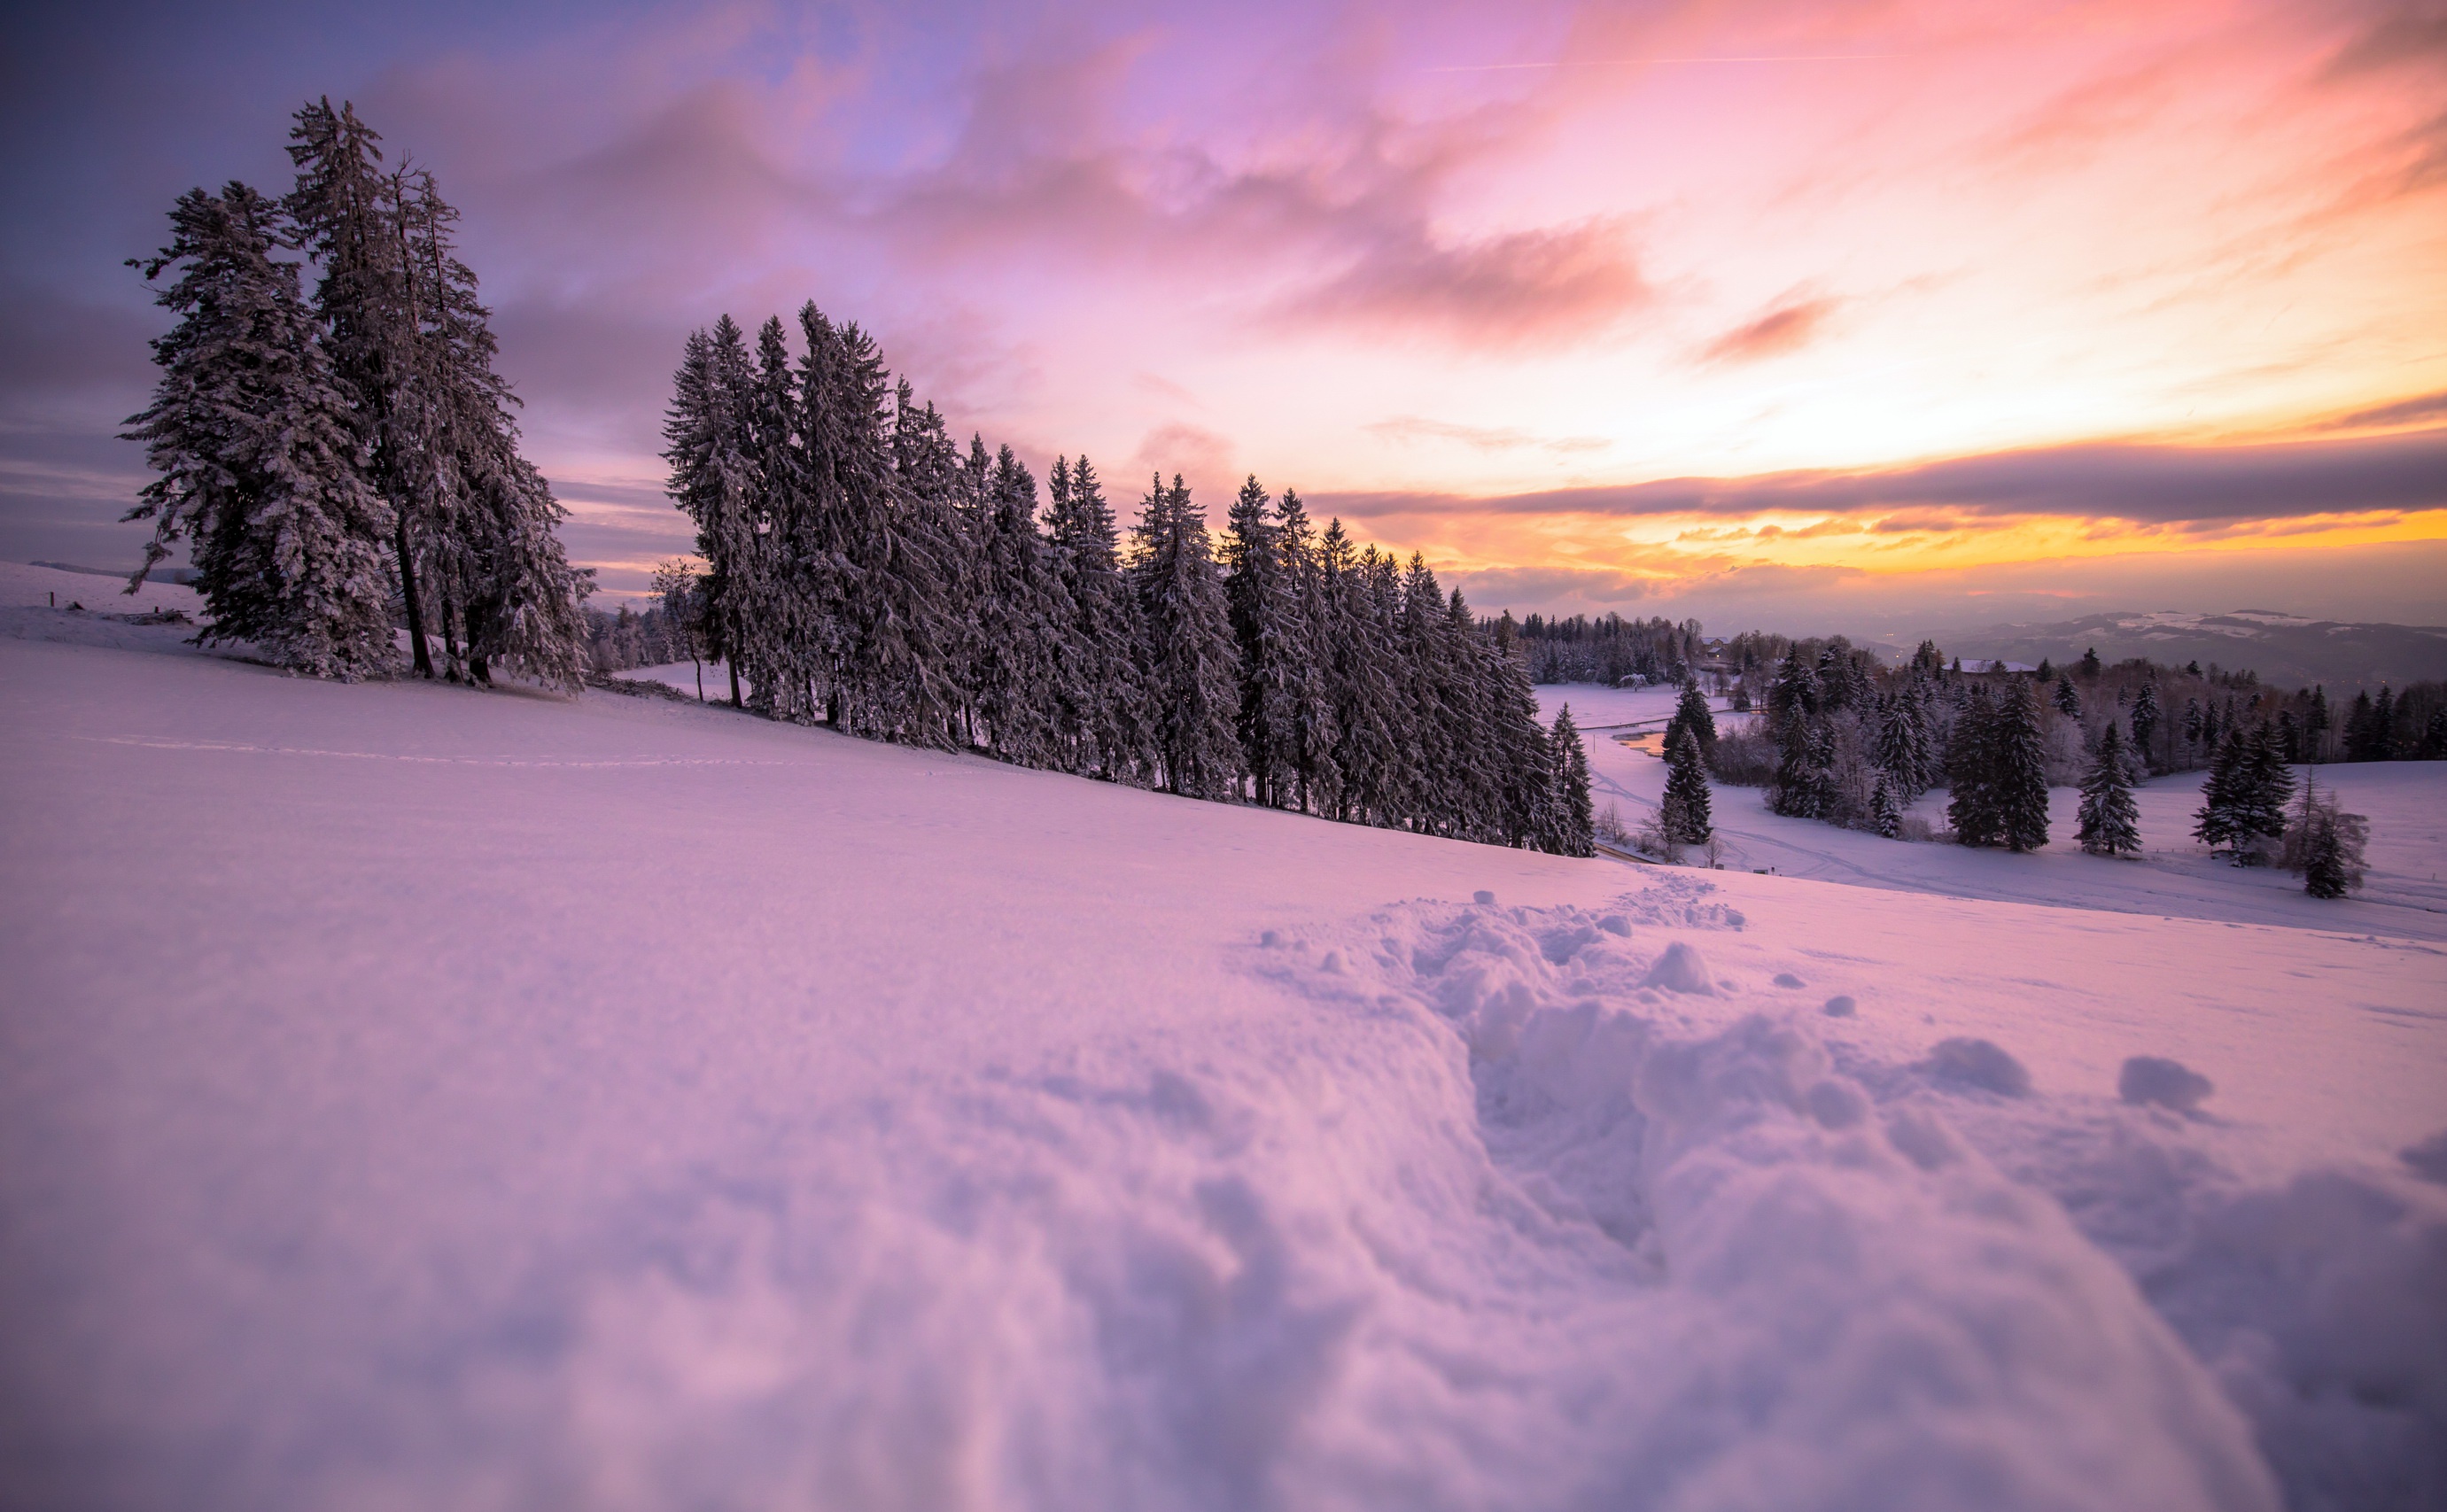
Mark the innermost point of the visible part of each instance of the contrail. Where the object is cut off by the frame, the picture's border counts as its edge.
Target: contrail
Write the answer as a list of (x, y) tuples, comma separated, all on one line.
[(1628, 63)]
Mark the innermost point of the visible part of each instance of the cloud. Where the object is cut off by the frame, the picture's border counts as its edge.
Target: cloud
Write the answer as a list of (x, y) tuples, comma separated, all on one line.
[(1483, 438), (1201, 456), (2131, 482), (2401, 412), (1545, 288), (1788, 327)]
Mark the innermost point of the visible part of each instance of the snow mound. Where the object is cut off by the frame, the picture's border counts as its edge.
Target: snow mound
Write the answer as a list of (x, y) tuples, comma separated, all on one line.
[(1980, 1064), (1886, 1321), (2152, 1079)]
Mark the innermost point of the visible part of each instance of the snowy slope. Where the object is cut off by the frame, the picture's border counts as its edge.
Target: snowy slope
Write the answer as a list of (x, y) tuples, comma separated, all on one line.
[(420, 1098)]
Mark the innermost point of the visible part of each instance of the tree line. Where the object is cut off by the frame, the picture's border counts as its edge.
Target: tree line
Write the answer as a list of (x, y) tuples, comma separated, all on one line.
[(865, 571), (347, 463)]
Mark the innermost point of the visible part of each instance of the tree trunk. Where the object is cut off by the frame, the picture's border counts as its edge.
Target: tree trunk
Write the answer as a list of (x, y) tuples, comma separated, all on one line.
[(424, 659)]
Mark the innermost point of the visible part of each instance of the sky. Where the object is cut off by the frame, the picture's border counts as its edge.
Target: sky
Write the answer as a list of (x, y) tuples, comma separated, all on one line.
[(1879, 318)]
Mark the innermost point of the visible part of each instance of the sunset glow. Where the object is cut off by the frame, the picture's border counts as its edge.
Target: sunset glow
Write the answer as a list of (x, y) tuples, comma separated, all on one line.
[(1497, 286)]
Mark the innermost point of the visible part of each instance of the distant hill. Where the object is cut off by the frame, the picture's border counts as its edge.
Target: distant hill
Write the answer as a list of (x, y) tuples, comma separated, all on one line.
[(2285, 649)]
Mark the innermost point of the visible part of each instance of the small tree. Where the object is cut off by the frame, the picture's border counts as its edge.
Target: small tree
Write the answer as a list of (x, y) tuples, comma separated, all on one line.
[(2325, 844), (1575, 829), (1691, 712), (2109, 820), (1885, 813), (1685, 814), (677, 585), (2068, 701), (1971, 797)]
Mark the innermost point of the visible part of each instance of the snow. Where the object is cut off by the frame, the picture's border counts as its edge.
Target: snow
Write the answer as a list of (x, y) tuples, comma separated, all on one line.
[(2406, 802), (418, 1097)]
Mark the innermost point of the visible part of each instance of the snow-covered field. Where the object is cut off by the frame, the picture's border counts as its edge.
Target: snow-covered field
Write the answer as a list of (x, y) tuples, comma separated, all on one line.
[(418, 1098), (2406, 802)]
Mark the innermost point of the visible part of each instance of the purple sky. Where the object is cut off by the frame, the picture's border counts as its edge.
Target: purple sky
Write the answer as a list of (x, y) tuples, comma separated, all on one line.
[(1842, 315)]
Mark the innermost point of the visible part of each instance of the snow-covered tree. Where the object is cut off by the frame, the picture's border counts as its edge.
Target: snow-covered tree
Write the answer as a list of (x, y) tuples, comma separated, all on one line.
[(260, 466), (1685, 809), (1575, 831), (1972, 807), (2021, 769), (2110, 822), (2146, 717), (1265, 608), (1691, 712), (1186, 657), (1885, 813)]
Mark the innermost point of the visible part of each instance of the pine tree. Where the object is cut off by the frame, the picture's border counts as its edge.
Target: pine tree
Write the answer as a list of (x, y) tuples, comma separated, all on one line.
[(1886, 814), (1576, 829), (1802, 789), (2068, 701), (1973, 807), (1087, 557), (1265, 615), (1021, 616), (1691, 713), (2262, 784), (260, 464), (1685, 813), (2218, 824), (1903, 745), (1187, 658), (343, 213), (2315, 725), (2021, 775), (2145, 721), (2090, 666), (497, 568), (1312, 734), (2109, 820)]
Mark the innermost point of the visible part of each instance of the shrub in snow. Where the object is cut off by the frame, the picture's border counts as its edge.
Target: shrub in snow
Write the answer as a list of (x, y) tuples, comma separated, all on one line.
[(2155, 1081), (2323, 844), (1980, 1064)]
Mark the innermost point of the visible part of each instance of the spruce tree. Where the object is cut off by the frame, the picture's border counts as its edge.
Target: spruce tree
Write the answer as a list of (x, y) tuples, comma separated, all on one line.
[(2068, 701), (2264, 783), (2146, 715), (2090, 666), (1886, 814), (2217, 821), (1576, 827), (1187, 659), (1087, 559), (498, 571), (260, 464), (1312, 734), (1685, 814), (1903, 745), (2022, 774), (1971, 764), (2110, 821), (1265, 614), (343, 213), (1691, 712)]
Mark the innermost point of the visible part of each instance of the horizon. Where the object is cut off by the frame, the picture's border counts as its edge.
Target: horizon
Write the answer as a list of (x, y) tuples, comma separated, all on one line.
[(1889, 325)]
